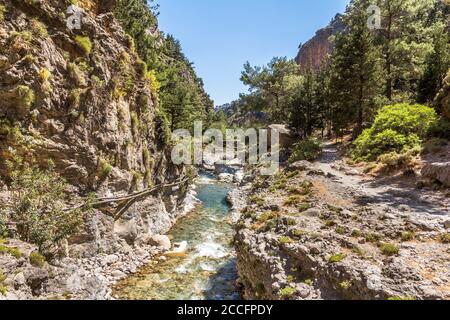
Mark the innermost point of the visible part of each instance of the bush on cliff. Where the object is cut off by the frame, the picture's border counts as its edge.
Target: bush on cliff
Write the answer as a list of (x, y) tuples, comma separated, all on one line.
[(397, 128), (37, 206)]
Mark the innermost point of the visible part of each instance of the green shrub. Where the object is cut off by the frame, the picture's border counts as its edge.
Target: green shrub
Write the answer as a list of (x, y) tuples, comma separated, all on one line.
[(398, 298), (39, 28), (267, 216), (25, 97), (155, 85), (293, 201), (45, 74), (37, 206), (37, 259), (2, 13), (408, 236), (15, 252), (396, 128), (389, 249), (309, 282), (297, 233), (309, 149), (395, 160), (302, 207), (105, 168), (287, 292), (337, 258), (444, 237), (84, 43), (257, 200), (286, 240), (345, 285), (340, 230), (3, 289), (372, 237), (356, 233)]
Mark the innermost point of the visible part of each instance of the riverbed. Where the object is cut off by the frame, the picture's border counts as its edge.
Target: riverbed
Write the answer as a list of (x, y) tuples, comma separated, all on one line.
[(207, 270)]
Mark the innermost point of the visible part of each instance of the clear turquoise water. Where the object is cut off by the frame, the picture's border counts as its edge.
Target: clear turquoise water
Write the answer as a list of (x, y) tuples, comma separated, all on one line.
[(208, 270)]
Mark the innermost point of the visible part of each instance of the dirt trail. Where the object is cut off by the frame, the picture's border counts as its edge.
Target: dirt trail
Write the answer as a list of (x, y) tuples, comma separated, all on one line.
[(395, 192)]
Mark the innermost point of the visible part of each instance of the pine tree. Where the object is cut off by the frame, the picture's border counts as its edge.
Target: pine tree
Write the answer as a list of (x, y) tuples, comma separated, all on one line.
[(438, 61), (355, 72), (305, 109), (405, 45)]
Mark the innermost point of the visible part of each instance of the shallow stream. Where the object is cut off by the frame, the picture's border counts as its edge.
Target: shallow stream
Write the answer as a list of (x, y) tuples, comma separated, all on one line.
[(207, 270)]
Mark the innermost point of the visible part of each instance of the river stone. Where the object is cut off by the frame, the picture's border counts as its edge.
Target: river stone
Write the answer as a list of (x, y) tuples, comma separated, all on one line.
[(160, 241)]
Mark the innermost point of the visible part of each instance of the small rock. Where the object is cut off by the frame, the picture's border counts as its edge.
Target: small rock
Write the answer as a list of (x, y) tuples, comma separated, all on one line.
[(19, 279), (312, 212), (160, 241), (117, 274), (404, 208), (447, 224)]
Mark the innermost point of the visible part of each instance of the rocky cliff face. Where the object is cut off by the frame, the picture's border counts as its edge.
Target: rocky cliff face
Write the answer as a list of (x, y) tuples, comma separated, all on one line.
[(314, 53), (80, 98)]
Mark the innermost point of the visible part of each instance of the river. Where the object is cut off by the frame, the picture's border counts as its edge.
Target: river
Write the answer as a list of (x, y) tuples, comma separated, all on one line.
[(208, 270)]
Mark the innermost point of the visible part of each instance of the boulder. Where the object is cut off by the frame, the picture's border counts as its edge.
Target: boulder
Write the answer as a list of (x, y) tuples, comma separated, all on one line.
[(437, 172), (160, 241), (300, 166)]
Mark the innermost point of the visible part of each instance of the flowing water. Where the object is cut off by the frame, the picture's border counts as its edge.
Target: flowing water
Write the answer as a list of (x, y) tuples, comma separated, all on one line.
[(208, 270)]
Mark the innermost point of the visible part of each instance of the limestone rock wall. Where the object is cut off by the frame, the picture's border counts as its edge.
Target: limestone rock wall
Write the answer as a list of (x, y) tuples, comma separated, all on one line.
[(80, 98)]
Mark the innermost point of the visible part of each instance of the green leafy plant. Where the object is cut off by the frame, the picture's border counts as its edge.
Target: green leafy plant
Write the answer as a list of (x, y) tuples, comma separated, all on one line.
[(396, 128), (309, 282), (37, 259), (258, 200), (444, 237), (15, 252), (37, 206), (398, 298), (345, 285), (39, 28), (84, 43), (286, 240), (308, 149), (340, 230), (408, 236), (2, 13), (3, 287), (287, 292), (105, 168), (389, 249), (338, 257)]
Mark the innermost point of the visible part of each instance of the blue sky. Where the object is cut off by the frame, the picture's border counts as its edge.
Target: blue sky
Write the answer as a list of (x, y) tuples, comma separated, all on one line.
[(219, 36)]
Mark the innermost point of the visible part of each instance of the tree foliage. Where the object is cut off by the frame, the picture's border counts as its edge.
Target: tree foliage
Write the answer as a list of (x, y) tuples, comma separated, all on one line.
[(181, 92), (405, 61)]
